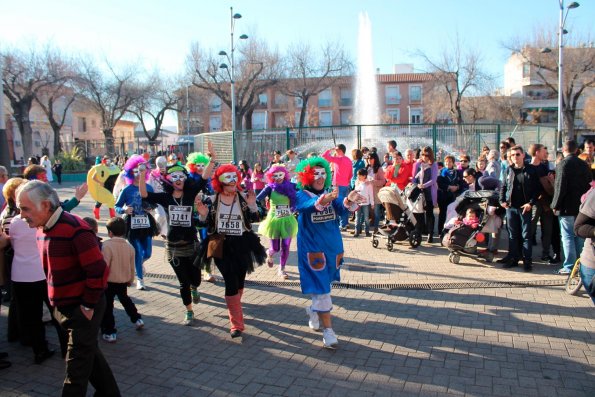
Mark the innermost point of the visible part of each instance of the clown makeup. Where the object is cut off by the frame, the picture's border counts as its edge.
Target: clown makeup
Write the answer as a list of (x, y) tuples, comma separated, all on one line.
[(135, 172), (200, 168), (278, 176), (319, 173), (228, 178), (177, 176)]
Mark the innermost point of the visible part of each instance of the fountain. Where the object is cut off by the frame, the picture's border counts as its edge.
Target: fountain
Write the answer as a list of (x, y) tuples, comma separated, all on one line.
[(366, 110)]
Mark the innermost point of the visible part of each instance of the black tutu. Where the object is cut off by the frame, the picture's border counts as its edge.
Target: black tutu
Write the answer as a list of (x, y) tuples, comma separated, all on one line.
[(245, 251)]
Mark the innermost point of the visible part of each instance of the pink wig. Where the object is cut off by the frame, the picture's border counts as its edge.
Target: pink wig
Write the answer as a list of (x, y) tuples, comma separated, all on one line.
[(274, 169), (133, 162)]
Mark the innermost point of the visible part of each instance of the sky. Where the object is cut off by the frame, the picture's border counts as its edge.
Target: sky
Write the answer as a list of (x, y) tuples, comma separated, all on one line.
[(159, 33)]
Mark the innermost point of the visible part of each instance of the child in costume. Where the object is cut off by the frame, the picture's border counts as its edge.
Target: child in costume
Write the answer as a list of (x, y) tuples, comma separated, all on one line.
[(319, 241), (280, 225), (235, 248), (196, 165), (140, 223)]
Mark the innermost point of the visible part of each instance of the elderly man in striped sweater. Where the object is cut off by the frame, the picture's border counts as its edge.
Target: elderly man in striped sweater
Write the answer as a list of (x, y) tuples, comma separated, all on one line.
[(77, 278)]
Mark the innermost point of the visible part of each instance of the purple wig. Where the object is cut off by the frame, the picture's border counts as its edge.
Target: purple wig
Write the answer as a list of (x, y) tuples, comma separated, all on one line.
[(285, 188), (133, 162)]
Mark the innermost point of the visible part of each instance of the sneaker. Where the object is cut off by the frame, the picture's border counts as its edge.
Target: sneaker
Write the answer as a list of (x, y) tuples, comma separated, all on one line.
[(269, 260), (139, 324), (109, 338), (313, 321), (329, 339), (210, 278), (281, 273), (140, 284), (195, 295), (563, 271), (189, 319)]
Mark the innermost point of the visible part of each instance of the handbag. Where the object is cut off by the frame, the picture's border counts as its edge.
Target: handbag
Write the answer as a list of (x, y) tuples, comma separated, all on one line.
[(215, 246)]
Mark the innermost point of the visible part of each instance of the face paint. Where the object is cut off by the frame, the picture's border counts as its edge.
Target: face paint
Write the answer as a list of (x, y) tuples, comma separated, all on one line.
[(135, 172), (319, 173), (279, 175), (200, 168), (177, 176), (228, 178)]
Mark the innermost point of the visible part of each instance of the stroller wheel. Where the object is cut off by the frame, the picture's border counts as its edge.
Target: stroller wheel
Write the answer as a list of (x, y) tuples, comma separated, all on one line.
[(389, 245), (375, 242), (414, 239), (456, 258), (489, 257)]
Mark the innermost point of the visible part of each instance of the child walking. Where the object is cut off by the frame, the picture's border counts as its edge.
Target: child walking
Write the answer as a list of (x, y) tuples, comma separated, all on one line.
[(365, 189), (119, 256)]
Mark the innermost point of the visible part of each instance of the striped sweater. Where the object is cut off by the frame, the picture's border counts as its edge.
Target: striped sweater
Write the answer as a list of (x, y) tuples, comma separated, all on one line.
[(73, 263)]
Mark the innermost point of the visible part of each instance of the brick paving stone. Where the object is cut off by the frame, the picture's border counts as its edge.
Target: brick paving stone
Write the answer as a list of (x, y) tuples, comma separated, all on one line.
[(474, 341)]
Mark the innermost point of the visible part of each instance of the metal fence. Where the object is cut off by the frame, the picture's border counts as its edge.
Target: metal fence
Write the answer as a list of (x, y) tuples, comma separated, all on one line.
[(260, 145)]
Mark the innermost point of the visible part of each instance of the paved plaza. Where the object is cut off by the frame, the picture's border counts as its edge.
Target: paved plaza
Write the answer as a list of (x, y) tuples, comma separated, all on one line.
[(409, 323)]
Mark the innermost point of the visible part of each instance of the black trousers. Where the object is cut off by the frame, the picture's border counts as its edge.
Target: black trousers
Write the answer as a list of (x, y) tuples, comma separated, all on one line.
[(233, 274), (188, 276), (84, 361), (30, 297), (108, 324)]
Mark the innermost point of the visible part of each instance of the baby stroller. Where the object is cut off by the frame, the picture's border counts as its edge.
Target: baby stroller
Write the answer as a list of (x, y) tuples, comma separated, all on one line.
[(400, 209), (461, 239)]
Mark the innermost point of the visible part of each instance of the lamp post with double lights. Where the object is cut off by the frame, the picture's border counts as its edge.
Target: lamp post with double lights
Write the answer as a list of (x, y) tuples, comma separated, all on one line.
[(561, 33), (230, 67)]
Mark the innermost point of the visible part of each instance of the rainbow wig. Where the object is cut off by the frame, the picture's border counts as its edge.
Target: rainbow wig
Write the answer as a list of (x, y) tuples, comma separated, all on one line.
[(305, 172), (133, 162), (216, 184), (196, 158)]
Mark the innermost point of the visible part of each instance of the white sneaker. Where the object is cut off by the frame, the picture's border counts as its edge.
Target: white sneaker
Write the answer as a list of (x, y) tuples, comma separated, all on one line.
[(313, 321), (281, 273), (139, 324), (140, 284), (329, 339), (109, 338)]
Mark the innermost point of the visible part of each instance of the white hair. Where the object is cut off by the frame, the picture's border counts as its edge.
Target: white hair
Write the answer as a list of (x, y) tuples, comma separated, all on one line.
[(38, 192), (493, 155)]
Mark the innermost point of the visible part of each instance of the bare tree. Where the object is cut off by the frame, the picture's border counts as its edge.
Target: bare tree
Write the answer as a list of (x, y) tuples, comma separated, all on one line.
[(257, 68), (111, 94), (309, 72), (540, 52), (458, 72), (24, 75), (157, 98)]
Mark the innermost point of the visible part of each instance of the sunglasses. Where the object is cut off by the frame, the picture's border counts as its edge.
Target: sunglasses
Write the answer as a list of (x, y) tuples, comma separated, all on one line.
[(515, 154), (464, 161)]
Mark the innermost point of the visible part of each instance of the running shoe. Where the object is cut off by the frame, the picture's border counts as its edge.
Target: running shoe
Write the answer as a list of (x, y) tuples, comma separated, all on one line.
[(110, 338), (139, 324), (189, 318), (140, 284), (195, 295), (313, 321), (329, 339)]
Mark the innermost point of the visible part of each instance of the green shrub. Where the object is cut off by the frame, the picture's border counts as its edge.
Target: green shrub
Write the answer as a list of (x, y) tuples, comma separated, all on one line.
[(72, 160)]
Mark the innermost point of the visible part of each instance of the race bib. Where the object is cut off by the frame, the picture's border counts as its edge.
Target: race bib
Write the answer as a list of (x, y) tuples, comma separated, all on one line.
[(139, 222), (327, 214), (230, 224), (281, 211), (180, 215)]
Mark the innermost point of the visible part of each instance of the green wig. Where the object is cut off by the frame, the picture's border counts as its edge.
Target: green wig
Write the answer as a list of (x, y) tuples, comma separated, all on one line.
[(305, 172), (196, 158)]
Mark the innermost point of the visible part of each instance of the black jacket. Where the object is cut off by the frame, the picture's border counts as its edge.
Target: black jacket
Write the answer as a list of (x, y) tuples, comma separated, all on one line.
[(529, 184), (573, 178)]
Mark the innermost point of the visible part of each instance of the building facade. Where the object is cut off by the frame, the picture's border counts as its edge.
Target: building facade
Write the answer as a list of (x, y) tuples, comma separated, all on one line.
[(400, 100)]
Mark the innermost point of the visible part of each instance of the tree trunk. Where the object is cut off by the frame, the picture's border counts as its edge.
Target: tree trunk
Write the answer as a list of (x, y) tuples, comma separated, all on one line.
[(109, 141), (21, 115), (303, 111), (569, 124)]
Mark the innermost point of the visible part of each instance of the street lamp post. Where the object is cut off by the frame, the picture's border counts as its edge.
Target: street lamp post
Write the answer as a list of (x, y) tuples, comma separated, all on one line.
[(561, 33), (231, 66)]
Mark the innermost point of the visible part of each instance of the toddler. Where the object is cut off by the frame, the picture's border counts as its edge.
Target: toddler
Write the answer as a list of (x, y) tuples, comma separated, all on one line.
[(365, 189), (119, 256)]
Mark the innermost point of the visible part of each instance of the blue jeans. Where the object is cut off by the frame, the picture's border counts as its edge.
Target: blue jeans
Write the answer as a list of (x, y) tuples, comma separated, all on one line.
[(519, 231), (588, 277), (344, 219), (362, 216), (378, 212), (571, 244), (143, 248)]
